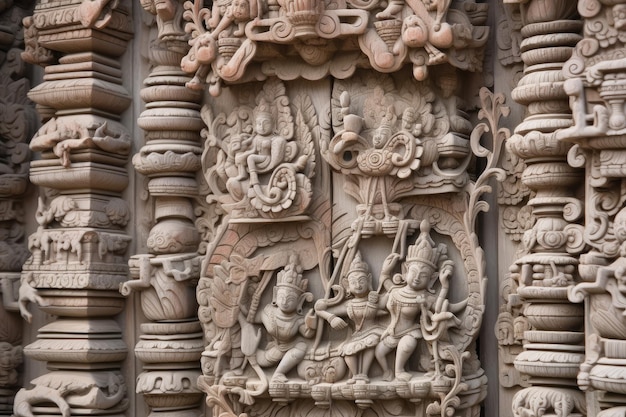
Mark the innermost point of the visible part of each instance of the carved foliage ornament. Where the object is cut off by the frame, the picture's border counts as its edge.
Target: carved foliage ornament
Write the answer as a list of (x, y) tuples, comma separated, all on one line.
[(261, 155), (240, 40), (288, 321)]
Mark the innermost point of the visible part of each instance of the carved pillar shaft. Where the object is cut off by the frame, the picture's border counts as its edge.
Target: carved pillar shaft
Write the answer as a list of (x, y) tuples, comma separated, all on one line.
[(17, 122), (171, 342), (596, 85), (553, 347), (78, 253)]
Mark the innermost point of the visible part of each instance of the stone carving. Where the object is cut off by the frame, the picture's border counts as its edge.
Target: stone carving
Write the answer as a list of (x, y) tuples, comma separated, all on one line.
[(67, 389), (17, 124), (171, 343), (363, 310), (284, 321), (78, 251), (328, 331), (264, 159), (64, 136), (228, 41), (552, 350), (415, 314), (397, 143), (369, 152)]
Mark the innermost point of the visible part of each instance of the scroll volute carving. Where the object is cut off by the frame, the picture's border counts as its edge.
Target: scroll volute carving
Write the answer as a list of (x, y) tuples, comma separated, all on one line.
[(251, 39), (264, 155), (382, 317)]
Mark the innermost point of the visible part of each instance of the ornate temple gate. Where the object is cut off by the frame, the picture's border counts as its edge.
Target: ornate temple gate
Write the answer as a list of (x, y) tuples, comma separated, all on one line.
[(300, 229)]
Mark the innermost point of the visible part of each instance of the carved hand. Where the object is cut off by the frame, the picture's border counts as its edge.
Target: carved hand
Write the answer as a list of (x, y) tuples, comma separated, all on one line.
[(389, 264), (338, 323), (27, 294)]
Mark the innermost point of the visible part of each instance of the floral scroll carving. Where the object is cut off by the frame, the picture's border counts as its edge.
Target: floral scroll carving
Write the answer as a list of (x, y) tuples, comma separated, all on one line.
[(264, 155), (242, 40), (294, 314)]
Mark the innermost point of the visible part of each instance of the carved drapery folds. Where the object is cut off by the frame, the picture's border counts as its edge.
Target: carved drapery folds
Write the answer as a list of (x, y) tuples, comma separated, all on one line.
[(244, 40), (78, 252), (164, 278), (596, 87)]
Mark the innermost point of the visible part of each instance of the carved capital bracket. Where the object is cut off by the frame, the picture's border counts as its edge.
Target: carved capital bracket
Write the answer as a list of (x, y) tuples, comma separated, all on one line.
[(248, 40)]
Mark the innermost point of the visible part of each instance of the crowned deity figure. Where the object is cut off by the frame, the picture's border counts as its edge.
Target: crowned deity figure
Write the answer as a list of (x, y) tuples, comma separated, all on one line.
[(363, 307), (409, 305), (285, 323)]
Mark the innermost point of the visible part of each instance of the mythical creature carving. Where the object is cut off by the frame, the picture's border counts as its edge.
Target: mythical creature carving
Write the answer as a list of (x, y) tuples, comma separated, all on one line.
[(64, 136), (96, 391)]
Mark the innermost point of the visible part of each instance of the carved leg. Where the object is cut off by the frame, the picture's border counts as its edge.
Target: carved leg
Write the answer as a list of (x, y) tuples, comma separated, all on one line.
[(406, 347), (381, 357)]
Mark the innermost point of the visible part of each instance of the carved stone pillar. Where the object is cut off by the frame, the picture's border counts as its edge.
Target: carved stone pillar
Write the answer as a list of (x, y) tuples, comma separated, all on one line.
[(596, 84), (17, 123), (78, 255), (551, 325), (17, 120), (171, 342)]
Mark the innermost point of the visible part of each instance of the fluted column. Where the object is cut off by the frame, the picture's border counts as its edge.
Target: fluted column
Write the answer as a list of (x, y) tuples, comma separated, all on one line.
[(171, 342), (79, 251), (553, 340)]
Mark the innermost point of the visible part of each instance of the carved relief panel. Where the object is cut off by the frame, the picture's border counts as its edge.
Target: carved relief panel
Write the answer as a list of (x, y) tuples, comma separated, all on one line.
[(366, 299)]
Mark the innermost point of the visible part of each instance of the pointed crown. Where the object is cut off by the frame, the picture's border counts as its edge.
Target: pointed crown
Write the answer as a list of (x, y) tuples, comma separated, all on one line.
[(263, 108), (425, 250), (291, 276), (358, 265)]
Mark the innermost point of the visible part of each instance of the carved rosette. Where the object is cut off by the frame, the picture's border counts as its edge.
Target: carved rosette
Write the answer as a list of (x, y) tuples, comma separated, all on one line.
[(553, 338), (164, 278), (596, 87), (240, 41), (78, 254)]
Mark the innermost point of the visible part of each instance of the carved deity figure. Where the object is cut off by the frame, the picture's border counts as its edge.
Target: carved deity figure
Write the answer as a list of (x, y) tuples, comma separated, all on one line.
[(233, 11), (363, 307), (285, 323), (263, 151), (410, 305)]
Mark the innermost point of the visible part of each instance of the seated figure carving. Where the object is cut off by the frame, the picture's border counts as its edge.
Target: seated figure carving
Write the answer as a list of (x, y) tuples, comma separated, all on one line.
[(284, 323), (263, 151)]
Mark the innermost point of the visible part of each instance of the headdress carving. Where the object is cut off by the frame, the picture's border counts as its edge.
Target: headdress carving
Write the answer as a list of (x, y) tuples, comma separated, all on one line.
[(263, 108), (291, 277), (358, 265), (425, 249)]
